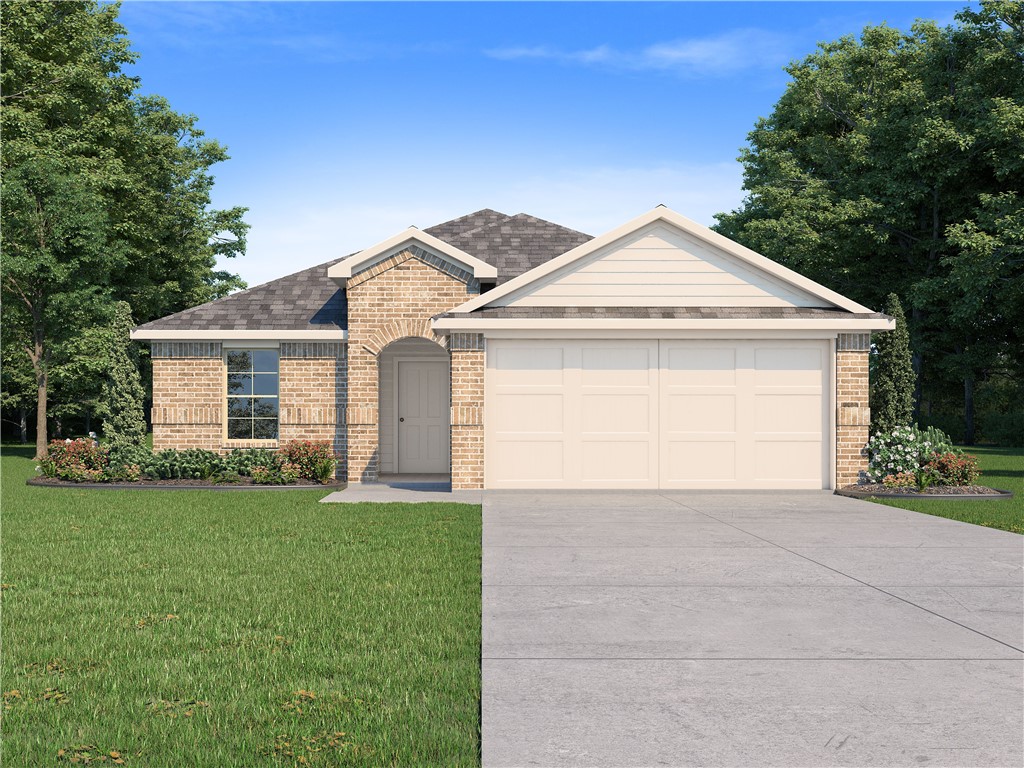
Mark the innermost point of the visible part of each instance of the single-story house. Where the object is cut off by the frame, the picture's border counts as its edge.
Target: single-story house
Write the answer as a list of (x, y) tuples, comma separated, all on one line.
[(512, 352)]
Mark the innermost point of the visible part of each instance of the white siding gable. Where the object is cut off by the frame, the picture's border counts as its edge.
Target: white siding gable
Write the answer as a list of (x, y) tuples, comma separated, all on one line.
[(660, 266)]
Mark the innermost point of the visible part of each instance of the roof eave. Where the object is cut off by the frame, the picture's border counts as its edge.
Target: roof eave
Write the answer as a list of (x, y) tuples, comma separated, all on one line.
[(478, 324), (226, 334)]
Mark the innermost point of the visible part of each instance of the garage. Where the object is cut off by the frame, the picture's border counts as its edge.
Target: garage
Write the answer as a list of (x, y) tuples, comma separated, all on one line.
[(657, 413)]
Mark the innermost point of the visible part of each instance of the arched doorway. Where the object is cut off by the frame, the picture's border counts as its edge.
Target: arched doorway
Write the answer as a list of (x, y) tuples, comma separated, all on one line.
[(414, 407)]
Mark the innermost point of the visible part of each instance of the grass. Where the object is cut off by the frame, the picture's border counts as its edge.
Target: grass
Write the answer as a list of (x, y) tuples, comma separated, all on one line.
[(204, 628), (1002, 468)]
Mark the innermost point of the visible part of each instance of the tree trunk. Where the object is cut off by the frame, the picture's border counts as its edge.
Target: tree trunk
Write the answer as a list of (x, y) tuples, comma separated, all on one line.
[(41, 414), (23, 424), (969, 410)]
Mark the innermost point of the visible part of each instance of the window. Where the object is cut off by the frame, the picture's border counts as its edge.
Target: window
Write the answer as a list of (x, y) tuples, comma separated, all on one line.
[(252, 394)]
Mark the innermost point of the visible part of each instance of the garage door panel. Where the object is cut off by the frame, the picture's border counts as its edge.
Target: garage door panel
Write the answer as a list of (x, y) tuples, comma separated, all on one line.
[(528, 412), (698, 366), (530, 366), (788, 413), (616, 414), (700, 413), (788, 367), (617, 367), (528, 462), (788, 460), (618, 461), (697, 461)]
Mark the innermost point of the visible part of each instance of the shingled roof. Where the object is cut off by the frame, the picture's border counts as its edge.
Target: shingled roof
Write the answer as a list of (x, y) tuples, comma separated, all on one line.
[(310, 300)]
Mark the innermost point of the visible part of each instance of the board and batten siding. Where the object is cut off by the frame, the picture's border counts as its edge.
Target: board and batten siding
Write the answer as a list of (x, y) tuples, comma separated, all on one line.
[(661, 267)]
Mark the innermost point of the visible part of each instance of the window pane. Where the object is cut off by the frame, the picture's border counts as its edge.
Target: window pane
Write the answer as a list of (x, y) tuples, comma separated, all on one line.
[(239, 383), (239, 361), (264, 384), (239, 429), (240, 407), (265, 407), (264, 429), (264, 360)]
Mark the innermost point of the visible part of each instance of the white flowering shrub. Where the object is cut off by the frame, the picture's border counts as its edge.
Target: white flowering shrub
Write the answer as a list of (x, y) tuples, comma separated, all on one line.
[(903, 449)]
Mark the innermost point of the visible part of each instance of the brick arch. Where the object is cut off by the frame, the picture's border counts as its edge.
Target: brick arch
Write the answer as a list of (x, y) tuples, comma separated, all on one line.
[(402, 329)]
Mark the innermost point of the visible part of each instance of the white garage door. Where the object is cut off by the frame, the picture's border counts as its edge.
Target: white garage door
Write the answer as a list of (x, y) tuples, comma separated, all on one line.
[(656, 414)]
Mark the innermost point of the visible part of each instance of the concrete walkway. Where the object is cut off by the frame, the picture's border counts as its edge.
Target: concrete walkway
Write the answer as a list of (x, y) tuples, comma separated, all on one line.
[(747, 629), (408, 489)]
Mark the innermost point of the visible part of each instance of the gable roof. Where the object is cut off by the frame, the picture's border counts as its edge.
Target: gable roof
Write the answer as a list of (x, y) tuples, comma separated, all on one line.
[(350, 265), (746, 257), (309, 303)]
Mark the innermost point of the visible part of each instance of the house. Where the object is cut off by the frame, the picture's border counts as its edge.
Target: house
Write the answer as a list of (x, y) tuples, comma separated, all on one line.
[(516, 353)]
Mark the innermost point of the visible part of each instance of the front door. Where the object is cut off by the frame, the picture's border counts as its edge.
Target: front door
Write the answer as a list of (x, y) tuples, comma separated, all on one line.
[(423, 402)]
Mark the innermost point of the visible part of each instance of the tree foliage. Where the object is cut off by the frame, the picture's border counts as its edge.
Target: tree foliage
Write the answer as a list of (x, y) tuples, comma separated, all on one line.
[(124, 418), (895, 163), (892, 391), (106, 192)]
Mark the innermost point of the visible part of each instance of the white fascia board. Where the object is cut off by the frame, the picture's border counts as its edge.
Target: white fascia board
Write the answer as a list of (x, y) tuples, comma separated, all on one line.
[(736, 325), (228, 335), (692, 228), (347, 267)]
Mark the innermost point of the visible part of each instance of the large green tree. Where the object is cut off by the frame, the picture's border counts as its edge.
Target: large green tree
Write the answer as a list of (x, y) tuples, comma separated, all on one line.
[(106, 192), (895, 162)]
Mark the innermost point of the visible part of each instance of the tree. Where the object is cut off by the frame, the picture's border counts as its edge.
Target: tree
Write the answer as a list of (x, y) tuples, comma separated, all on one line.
[(124, 420), (880, 169), (892, 391), (106, 193)]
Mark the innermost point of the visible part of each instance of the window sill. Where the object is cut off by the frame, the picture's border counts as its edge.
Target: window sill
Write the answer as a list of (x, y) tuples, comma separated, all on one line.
[(231, 444)]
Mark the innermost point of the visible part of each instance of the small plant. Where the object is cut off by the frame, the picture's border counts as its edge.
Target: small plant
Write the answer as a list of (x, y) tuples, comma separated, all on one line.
[(314, 458), (79, 461), (953, 468), (900, 480)]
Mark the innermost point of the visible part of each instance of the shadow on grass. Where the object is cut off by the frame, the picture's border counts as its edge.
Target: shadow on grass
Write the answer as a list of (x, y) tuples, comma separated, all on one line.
[(22, 451)]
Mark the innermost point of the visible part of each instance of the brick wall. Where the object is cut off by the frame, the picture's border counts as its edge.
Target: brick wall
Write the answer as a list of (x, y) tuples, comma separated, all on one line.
[(853, 416), (467, 350), (189, 380), (393, 299)]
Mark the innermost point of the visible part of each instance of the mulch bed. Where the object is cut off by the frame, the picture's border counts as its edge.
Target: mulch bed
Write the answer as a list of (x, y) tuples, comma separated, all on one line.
[(934, 492), (245, 484)]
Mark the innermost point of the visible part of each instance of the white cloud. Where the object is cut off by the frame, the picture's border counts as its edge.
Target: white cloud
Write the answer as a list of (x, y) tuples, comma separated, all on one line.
[(290, 233), (724, 54)]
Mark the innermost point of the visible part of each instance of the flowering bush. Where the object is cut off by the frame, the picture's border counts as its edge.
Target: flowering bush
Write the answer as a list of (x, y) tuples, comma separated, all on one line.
[(79, 461), (313, 459), (954, 468), (904, 449), (900, 480)]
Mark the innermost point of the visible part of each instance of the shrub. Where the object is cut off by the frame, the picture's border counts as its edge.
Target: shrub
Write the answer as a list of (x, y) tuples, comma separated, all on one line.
[(190, 464), (892, 390), (314, 459), (245, 460), (903, 449), (954, 468), (129, 462), (79, 461), (900, 480)]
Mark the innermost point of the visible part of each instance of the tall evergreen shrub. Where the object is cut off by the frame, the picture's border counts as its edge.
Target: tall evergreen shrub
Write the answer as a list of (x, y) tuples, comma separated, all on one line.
[(892, 392), (124, 420)]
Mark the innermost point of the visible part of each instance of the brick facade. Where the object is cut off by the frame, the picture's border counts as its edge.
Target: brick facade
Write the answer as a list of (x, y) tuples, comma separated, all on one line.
[(467, 351), (391, 300), (189, 380), (853, 416)]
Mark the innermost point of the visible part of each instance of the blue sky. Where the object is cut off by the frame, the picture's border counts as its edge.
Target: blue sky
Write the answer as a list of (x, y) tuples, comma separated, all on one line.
[(347, 122)]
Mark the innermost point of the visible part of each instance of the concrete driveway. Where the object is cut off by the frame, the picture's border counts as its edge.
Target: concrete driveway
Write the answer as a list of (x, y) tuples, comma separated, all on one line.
[(747, 629)]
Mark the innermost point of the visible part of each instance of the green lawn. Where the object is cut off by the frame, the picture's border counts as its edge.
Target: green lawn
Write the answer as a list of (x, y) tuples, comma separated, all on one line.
[(202, 628), (1002, 468)]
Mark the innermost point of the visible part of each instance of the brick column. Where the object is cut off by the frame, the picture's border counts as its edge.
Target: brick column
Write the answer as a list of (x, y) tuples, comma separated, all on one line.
[(853, 416), (313, 392), (467, 350), (188, 395), (361, 415)]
